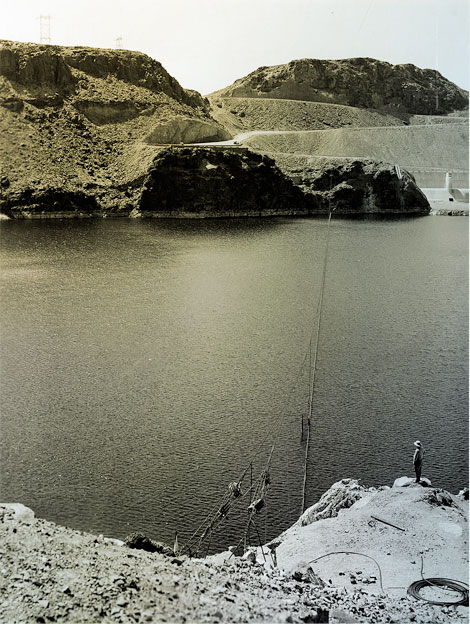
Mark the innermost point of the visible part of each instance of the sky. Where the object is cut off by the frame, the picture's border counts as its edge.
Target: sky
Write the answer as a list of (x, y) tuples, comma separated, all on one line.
[(207, 44)]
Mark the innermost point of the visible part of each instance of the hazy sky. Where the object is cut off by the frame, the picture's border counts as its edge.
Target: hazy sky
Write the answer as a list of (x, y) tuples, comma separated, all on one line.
[(207, 44)]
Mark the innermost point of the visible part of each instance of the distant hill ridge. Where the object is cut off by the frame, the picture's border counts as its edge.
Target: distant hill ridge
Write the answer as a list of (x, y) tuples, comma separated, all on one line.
[(85, 129), (360, 82), (33, 65)]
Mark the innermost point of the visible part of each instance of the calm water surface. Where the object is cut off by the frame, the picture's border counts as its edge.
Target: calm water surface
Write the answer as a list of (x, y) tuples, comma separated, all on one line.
[(145, 363)]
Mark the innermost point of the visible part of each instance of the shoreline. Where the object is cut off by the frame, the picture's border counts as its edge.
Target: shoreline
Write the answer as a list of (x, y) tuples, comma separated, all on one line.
[(28, 216), (54, 573)]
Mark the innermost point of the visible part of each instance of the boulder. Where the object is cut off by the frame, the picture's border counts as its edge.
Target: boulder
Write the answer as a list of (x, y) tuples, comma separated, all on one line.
[(142, 542), (341, 495), (411, 482), (16, 512)]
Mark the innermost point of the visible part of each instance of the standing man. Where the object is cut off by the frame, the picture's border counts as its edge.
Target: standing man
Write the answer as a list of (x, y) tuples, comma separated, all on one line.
[(418, 459)]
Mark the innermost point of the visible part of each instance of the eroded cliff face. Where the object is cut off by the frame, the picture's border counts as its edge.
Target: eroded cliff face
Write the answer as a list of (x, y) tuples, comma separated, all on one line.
[(104, 86), (355, 187), (33, 65), (360, 82), (220, 182)]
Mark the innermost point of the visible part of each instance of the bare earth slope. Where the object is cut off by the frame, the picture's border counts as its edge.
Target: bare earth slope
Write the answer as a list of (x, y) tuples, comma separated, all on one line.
[(241, 114), (51, 573), (428, 145), (427, 151), (432, 537), (84, 116)]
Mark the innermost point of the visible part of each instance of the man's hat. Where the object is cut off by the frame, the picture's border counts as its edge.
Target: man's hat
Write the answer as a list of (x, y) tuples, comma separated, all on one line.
[(417, 443)]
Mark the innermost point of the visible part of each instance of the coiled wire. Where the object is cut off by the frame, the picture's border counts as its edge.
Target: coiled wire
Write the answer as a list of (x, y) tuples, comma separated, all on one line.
[(417, 586)]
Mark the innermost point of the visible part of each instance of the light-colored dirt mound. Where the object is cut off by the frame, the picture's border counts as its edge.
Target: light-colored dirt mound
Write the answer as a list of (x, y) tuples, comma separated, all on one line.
[(432, 538), (183, 130), (412, 147), (238, 114)]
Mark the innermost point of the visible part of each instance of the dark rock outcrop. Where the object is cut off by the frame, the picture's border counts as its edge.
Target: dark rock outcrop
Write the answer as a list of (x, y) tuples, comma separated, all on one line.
[(360, 82), (142, 542), (220, 182), (362, 187), (134, 68), (44, 202), (215, 182), (39, 66)]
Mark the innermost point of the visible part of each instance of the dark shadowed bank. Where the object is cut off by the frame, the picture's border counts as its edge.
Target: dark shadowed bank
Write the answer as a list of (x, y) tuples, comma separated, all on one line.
[(207, 182)]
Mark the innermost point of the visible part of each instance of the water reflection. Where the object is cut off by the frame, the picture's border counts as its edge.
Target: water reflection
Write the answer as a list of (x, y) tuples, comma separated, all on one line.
[(144, 363)]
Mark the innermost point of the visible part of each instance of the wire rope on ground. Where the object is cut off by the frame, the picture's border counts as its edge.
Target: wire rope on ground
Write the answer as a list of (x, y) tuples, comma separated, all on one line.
[(351, 552), (450, 584)]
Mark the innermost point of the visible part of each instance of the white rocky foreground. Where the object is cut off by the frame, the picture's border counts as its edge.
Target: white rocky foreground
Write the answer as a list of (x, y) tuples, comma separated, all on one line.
[(395, 533), (349, 558)]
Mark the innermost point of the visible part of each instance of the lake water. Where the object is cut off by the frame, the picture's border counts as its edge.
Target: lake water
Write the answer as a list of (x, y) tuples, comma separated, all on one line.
[(145, 363)]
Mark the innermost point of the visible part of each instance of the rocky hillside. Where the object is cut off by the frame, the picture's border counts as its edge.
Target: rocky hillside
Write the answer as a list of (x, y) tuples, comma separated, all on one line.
[(103, 85), (88, 116), (359, 82), (317, 571), (353, 108), (49, 71), (86, 133)]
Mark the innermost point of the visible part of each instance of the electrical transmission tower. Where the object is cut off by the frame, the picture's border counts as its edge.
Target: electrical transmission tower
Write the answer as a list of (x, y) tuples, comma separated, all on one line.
[(118, 44), (45, 29)]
